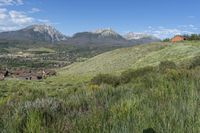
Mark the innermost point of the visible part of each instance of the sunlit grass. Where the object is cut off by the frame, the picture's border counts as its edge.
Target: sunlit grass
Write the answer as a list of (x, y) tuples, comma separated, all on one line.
[(117, 61), (164, 97)]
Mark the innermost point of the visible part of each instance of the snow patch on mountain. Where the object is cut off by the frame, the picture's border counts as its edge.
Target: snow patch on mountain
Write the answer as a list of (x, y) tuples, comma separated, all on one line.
[(106, 32)]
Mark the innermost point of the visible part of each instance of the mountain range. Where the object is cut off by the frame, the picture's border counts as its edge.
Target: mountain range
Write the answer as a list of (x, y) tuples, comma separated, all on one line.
[(49, 34), (44, 33)]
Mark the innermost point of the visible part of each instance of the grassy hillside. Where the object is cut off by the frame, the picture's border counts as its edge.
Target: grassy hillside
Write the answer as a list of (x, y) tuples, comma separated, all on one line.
[(135, 57), (162, 96)]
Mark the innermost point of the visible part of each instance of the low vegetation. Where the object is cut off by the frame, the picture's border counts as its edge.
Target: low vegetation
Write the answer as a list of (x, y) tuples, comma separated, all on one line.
[(166, 101), (148, 93), (115, 62)]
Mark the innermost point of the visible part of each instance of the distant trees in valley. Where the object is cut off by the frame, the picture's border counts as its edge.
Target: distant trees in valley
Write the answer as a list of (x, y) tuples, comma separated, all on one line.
[(192, 37)]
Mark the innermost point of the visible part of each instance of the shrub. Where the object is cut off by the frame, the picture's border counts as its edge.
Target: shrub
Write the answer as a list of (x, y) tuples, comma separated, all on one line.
[(124, 78), (128, 75), (40, 113), (106, 79), (178, 74), (173, 74), (94, 87), (195, 62), (166, 40), (49, 104), (165, 65), (33, 124)]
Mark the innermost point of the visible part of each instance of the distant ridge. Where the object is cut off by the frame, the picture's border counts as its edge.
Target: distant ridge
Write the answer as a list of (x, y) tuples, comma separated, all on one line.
[(44, 33), (49, 34), (110, 37)]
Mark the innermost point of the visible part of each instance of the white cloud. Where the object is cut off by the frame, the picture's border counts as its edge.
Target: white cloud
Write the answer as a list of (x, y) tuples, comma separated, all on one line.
[(161, 27), (162, 32), (191, 17), (183, 26), (8, 28), (191, 26), (10, 2), (11, 20), (3, 9), (3, 14), (20, 18), (34, 10), (46, 21), (188, 27), (43, 21)]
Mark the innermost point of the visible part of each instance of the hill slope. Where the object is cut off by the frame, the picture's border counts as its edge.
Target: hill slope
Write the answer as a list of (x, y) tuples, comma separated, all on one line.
[(164, 101), (135, 57)]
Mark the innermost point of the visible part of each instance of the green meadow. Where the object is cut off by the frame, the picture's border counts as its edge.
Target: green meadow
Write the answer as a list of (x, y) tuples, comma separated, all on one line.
[(126, 90)]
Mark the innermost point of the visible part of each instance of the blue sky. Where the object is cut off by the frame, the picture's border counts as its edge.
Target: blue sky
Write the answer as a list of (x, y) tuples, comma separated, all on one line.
[(162, 18)]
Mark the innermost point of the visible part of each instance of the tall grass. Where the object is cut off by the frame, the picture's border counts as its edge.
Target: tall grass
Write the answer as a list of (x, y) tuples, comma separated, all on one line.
[(163, 98)]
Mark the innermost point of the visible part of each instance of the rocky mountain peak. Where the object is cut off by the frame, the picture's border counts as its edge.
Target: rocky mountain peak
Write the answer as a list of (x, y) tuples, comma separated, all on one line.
[(106, 32), (47, 30)]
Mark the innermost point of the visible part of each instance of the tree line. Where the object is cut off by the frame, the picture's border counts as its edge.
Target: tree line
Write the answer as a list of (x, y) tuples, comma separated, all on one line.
[(192, 37)]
